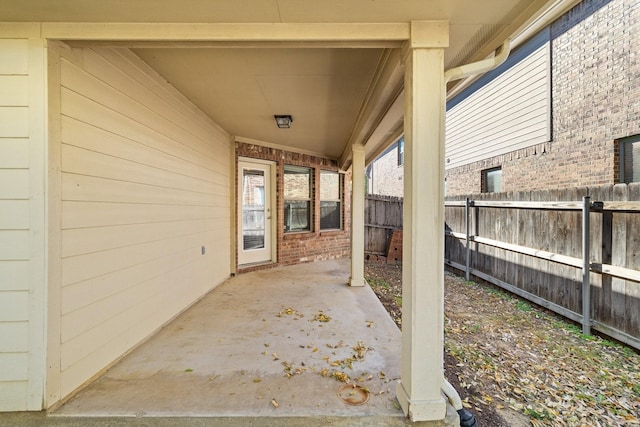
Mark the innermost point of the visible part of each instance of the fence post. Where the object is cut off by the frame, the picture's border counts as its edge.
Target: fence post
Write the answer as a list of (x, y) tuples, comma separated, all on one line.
[(586, 285), (467, 248)]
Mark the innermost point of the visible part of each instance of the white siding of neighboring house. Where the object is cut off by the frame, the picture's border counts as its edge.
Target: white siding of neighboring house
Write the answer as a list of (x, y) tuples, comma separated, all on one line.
[(144, 184), (22, 241), (509, 113)]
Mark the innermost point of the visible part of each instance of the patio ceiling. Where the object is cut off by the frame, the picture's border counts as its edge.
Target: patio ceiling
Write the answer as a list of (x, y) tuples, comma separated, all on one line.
[(332, 90)]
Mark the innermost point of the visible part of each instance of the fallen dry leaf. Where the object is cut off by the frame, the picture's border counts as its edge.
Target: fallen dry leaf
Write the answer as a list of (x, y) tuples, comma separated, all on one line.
[(502, 352)]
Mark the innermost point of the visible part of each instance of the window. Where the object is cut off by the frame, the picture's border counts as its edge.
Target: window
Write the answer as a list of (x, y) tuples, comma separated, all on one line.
[(492, 180), (330, 200), (297, 199), (630, 159), (401, 151)]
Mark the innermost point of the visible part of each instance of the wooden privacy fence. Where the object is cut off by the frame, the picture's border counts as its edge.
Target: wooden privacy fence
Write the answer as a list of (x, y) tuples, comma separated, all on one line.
[(382, 215), (575, 251)]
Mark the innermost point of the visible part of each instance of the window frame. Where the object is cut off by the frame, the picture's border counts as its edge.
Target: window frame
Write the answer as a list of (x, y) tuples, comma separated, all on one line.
[(622, 143), (485, 179), (339, 200), (309, 200)]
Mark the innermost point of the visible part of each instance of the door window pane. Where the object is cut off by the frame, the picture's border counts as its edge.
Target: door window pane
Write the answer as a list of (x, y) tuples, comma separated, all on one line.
[(297, 199), (253, 209)]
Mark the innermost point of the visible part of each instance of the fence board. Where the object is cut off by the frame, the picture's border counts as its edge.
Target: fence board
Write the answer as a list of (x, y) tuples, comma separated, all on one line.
[(521, 235), (382, 215)]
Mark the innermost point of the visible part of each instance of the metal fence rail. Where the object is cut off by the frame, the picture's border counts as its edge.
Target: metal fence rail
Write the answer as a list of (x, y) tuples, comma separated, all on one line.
[(515, 258)]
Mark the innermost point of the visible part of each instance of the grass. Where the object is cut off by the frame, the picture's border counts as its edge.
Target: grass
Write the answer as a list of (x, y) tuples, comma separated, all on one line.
[(524, 306), (375, 282)]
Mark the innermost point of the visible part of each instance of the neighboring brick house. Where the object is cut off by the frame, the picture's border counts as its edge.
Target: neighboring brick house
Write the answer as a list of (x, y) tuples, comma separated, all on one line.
[(563, 111), (385, 174)]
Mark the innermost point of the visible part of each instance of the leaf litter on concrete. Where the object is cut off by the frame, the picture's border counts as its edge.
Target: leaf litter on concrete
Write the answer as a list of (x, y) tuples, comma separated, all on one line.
[(515, 364)]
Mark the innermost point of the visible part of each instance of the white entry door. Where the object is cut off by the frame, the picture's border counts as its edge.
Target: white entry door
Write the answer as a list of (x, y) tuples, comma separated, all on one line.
[(254, 212)]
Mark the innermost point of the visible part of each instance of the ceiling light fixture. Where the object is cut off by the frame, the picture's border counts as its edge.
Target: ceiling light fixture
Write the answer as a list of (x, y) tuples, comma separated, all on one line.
[(283, 121)]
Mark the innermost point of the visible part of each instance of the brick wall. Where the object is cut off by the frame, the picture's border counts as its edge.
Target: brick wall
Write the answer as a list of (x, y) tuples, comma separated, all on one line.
[(293, 248), (595, 90), (386, 176)]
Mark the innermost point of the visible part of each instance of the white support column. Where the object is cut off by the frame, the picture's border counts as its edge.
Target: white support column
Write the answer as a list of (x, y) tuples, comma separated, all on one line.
[(423, 248), (357, 217)]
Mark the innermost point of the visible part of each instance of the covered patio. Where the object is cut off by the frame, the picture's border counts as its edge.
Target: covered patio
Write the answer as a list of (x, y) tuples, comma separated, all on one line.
[(277, 344), (124, 131)]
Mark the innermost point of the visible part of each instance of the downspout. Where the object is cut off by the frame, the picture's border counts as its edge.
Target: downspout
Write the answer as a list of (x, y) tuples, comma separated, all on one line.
[(466, 418), (479, 67)]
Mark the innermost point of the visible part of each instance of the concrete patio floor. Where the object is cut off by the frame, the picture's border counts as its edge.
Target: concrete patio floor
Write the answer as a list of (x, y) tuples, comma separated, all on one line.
[(260, 349)]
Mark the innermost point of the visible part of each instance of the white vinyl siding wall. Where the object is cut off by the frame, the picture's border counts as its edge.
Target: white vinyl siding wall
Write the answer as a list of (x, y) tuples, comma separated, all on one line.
[(21, 219), (509, 113), (144, 185)]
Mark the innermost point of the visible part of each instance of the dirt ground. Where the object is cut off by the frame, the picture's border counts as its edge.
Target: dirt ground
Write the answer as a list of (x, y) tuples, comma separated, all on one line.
[(516, 365)]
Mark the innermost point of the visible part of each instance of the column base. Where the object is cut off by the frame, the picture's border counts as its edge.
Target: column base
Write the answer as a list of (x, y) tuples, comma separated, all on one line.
[(421, 410), (356, 282)]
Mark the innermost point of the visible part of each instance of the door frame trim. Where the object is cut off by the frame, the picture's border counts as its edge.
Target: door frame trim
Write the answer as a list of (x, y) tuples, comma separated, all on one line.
[(272, 200)]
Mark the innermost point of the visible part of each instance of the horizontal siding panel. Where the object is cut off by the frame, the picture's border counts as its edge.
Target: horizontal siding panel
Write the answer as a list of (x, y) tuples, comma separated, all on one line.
[(14, 91), (508, 123), (91, 138), (468, 114), (85, 162), (515, 130), (15, 337), (82, 267), (90, 87), (14, 306), (14, 56), (117, 340), (521, 145), (90, 214), (14, 245), (98, 63), (147, 316), (14, 276), (14, 153), (91, 112), (533, 71), (13, 394), (79, 325), (145, 184), (13, 366), (14, 184), (86, 240), (88, 292), (14, 122), (509, 104), (147, 77), (112, 317), (14, 214), (508, 113), (94, 189)]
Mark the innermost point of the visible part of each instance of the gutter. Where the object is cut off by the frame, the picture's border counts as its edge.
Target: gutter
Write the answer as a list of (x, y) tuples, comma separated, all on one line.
[(556, 9), (479, 67)]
